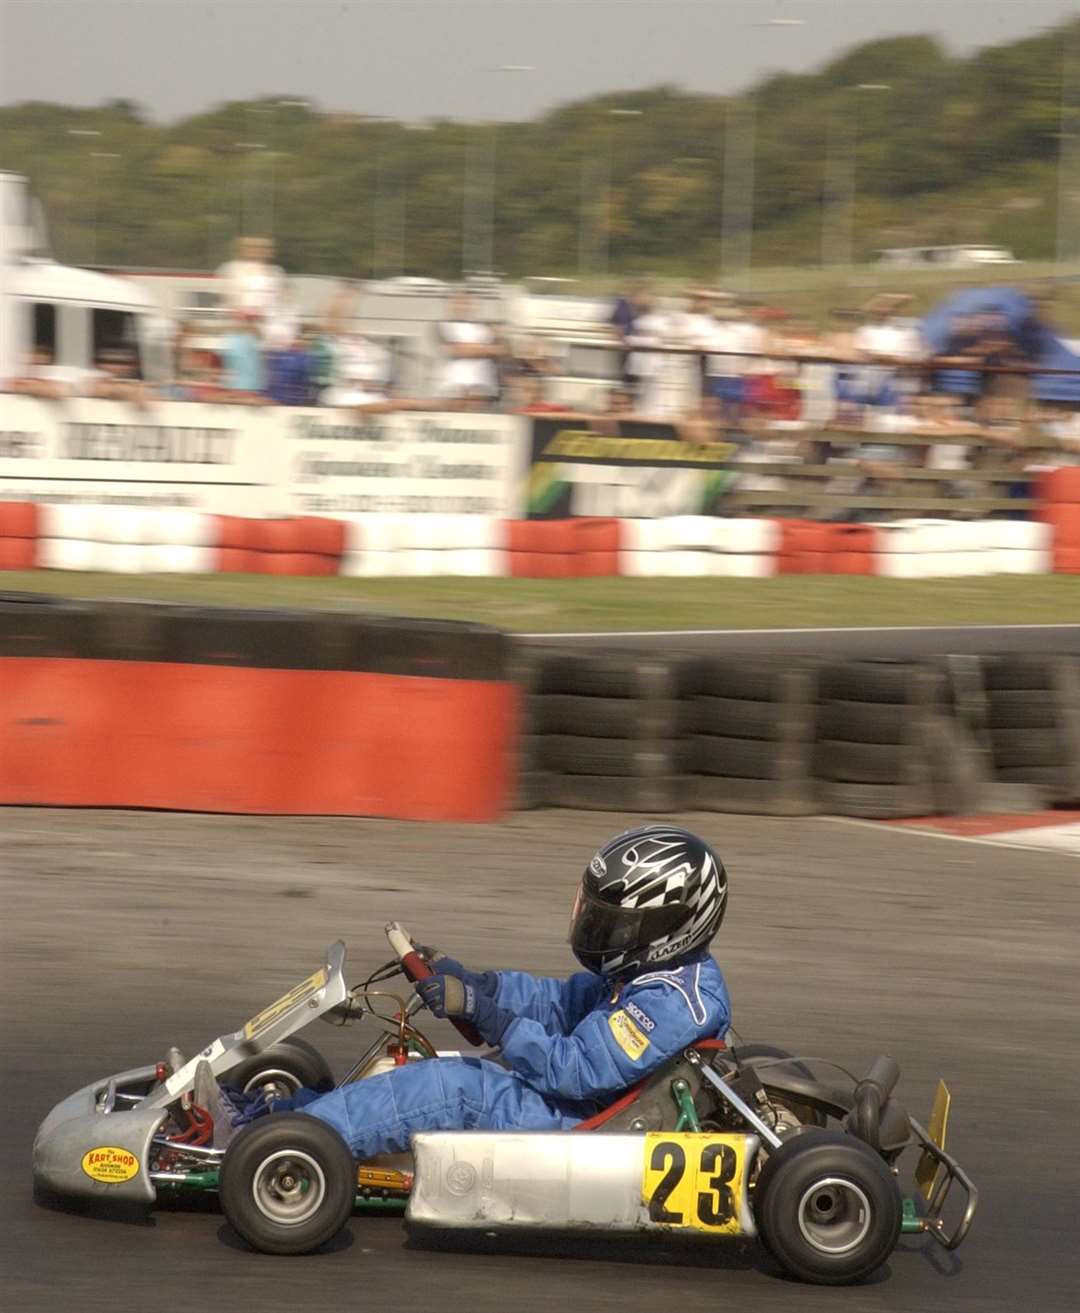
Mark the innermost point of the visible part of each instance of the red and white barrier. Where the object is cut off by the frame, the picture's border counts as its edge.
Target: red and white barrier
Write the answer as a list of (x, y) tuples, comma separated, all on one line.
[(153, 540), (1060, 494)]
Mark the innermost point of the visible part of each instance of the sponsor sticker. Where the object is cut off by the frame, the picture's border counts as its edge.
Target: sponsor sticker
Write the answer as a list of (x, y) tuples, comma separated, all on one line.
[(110, 1165), (300, 994), (627, 1035), (646, 1023)]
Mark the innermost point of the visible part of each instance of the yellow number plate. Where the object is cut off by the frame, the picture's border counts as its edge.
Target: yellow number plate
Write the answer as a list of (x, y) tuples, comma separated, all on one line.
[(695, 1180), (300, 994)]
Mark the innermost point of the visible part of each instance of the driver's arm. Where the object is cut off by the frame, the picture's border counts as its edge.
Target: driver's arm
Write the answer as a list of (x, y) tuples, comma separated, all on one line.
[(603, 1054), (558, 1005)]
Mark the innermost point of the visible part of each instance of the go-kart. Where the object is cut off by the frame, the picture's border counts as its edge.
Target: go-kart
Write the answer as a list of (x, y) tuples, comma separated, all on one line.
[(723, 1141)]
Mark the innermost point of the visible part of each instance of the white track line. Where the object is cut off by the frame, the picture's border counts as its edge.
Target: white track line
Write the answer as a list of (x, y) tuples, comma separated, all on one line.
[(992, 840), (843, 629)]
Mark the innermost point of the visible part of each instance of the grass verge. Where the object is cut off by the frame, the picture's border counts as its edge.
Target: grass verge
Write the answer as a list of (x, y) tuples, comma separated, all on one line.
[(609, 605)]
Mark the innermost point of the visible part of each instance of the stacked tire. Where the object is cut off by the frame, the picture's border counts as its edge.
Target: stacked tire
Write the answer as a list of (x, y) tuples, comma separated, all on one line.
[(605, 731), (1032, 714), (748, 723), (876, 726)]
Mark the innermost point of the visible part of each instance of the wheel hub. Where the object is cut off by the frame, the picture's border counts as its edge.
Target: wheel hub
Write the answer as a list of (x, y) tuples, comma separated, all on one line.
[(834, 1216), (288, 1187)]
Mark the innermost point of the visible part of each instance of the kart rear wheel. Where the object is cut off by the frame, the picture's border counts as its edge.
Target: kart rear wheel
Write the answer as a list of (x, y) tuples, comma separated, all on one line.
[(827, 1208), (280, 1070), (287, 1183)]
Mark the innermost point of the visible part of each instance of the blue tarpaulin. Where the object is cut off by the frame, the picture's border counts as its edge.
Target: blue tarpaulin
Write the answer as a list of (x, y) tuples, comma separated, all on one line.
[(1034, 340)]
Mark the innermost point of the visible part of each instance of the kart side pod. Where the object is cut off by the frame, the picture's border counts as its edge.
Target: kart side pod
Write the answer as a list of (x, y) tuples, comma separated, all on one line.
[(693, 1182)]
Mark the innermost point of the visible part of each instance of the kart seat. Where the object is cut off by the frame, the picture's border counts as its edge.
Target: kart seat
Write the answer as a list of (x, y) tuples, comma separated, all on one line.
[(650, 1103)]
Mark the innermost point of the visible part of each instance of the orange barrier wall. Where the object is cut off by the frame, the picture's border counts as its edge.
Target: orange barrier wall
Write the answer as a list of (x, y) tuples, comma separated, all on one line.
[(234, 722)]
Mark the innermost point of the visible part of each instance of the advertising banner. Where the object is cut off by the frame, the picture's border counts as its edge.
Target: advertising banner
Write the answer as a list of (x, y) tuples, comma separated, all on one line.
[(411, 462), (630, 468), (208, 458), (248, 460)]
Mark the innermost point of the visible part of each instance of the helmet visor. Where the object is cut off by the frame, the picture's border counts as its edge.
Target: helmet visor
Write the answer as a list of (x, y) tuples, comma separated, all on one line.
[(601, 927)]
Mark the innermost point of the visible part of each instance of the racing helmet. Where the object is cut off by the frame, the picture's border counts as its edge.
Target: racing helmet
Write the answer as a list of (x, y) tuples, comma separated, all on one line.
[(651, 897)]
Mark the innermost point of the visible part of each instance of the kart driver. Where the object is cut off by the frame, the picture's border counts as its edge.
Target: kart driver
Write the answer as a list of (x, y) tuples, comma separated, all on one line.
[(649, 904)]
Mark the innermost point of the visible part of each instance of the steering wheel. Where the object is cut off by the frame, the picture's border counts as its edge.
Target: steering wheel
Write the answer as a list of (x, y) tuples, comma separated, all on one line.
[(416, 969)]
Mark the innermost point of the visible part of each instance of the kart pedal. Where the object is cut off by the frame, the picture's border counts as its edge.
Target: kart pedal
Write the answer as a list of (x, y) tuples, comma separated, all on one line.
[(174, 1059), (207, 1094)]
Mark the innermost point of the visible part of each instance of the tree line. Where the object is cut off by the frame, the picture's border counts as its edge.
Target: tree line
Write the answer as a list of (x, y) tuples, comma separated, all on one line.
[(935, 148)]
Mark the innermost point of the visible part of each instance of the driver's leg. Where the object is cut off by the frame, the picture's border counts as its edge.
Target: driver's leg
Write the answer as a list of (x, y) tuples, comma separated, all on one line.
[(380, 1114)]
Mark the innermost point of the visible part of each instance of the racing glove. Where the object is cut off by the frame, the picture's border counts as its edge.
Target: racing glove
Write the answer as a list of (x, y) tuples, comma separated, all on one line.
[(447, 996), (486, 982)]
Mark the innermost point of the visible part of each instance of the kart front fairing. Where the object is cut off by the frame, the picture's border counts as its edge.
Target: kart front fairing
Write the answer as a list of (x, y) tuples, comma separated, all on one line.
[(97, 1142)]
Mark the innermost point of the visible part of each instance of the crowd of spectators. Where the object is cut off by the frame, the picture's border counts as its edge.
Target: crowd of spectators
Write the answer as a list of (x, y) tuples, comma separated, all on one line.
[(861, 391)]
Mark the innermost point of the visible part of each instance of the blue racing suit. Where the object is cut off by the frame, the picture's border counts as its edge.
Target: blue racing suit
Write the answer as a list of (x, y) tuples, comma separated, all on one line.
[(572, 1047)]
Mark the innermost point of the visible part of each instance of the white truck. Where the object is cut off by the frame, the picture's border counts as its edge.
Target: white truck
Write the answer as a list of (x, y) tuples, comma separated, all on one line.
[(72, 314)]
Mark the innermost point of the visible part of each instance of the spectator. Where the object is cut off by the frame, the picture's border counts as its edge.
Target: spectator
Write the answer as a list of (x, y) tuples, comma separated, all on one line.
[(726, 374), (362, 374), (43, 379), (636, 302), (469, 378), (320, 347), (250, 282), (289, 374), (242, 355), (527, 396), (117, 378)]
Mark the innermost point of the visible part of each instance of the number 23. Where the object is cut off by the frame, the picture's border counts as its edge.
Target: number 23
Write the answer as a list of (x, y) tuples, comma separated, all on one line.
[(715, 1202)]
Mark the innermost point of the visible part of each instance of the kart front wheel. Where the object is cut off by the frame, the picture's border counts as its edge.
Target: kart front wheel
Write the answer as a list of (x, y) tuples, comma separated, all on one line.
[(828, 1208), (287, 1183), (281, 1069)]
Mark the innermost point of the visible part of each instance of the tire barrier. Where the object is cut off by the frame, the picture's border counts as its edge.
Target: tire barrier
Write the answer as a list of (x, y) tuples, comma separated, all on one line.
[(582, 548), (750, 729), (689, 546), (605, 732), (790, 736), (1031, 722), (18, 535), (464, 546), (195, 709), (872, 754), (1059, 492), (137, 540)]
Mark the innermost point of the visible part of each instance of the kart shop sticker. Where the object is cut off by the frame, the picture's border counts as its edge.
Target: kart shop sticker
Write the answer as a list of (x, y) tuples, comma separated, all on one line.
[(627, 1035), (109, 1165)]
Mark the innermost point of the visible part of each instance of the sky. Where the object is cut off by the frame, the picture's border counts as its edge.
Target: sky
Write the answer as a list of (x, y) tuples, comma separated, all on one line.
[(419, 59)]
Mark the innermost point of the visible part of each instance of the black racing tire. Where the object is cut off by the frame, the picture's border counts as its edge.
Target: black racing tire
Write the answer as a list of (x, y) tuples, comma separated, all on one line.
[(625, 675), (282, 1068), (288, 1183), (613, 793), (714, 793), (869, 681), (736, 718), (1054, 779), (1022, 709), (864, 722), (1027, 747), (873, 801), (860, 763), (606, 718), (746, 678), (574, 754), (748, 759), (827, 1208), (1025, 672)]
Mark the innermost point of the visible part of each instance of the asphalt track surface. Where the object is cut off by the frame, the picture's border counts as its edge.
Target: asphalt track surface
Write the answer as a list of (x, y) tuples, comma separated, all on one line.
[(124, 932)]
